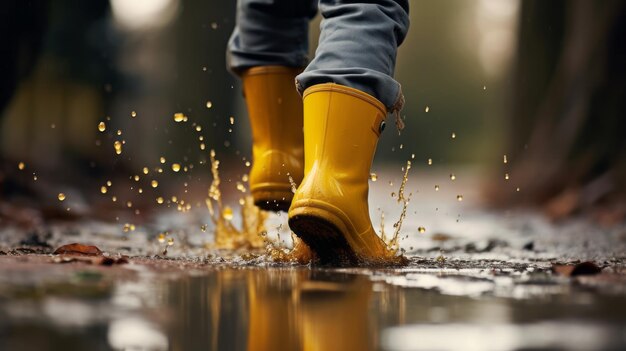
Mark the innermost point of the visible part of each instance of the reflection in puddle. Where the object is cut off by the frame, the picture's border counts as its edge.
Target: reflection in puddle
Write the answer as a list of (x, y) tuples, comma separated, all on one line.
[(301, 308), (538, 336), (135, 334)]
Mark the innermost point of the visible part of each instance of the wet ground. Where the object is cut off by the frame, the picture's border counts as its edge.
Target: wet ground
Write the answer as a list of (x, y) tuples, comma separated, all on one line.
[(476, 280)]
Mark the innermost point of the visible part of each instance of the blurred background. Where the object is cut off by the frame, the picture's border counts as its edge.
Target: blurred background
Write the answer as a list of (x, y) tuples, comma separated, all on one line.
[(526, 96)]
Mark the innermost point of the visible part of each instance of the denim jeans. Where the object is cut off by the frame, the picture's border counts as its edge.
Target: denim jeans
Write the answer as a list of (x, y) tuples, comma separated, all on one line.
[(357, 47)]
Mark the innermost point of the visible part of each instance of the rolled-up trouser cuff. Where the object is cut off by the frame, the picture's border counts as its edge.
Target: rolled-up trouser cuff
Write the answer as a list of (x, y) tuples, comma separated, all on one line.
[(270, 33)]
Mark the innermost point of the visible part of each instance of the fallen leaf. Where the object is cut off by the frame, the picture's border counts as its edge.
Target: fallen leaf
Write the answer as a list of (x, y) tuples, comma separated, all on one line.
[(78, 249), (583, 268)]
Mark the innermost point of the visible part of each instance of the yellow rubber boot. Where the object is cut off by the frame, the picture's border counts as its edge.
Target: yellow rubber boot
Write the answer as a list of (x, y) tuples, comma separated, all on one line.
[(329, 211), (275, 111)]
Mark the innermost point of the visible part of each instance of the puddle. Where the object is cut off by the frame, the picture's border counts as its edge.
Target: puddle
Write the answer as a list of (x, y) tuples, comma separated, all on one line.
[(262, 308)]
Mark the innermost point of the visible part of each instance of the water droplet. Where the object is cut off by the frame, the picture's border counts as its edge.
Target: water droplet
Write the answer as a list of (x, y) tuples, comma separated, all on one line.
[(209, 104), (452, 176), (227, 213), (459, 197), (136, 178), (175, 167), (161, 238), (145, 170), (421, 230), (102, 126), (133, 114), (198, 128), (202, 146), (426, 109), (21, 166), (505, 159), (154, 183), (373, 177), (247, 163), (412, 156), (159, 200), (203, 227), (119, 132), (232, 120), (484, 87), (61, 196), (436, 187), (117, 145), (109, 183), (114, 198), (213, 25), (103, 189), (430, 161), (453, 135), (506, 176), (170, 241), (129, 204), (241, 187), (179, 117), (517, 189)]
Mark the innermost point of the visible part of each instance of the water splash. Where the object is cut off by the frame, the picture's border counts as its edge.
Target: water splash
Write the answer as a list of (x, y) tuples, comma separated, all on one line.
[(227, 235)]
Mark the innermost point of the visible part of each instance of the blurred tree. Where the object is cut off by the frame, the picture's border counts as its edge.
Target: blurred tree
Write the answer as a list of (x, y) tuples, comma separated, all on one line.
[(567, 149)]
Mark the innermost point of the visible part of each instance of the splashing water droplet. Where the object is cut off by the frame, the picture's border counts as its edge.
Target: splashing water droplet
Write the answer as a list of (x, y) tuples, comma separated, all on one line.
[(170, 241), (117, 145), (103, 189), (430, 161), (227, 213), (21, 166), (159, 200), (162, 159), (373, 177), (436, 187), (426, 109), (102, 126), (133, 114), (154, 183), (505, 159), (452, 176), (175, 167), (61, 196), (453, 135), (209, 104), (161, 238), (459, 197), (506, 176), (421, 230), (179, 117)]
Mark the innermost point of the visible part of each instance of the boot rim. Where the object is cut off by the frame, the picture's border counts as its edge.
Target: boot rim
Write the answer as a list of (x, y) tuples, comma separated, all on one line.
[(334, 87)]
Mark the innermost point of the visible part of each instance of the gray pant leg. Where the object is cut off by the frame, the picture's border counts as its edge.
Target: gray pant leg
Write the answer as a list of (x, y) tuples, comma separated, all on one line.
[(270, 32), (358, 46)]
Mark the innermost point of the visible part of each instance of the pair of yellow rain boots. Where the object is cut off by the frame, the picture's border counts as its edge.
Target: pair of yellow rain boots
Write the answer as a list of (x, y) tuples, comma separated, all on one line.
[(328, 153)]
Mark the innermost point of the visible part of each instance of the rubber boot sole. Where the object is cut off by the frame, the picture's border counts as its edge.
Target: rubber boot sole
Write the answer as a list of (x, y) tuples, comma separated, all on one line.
[(324, 238), (272, 198)]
